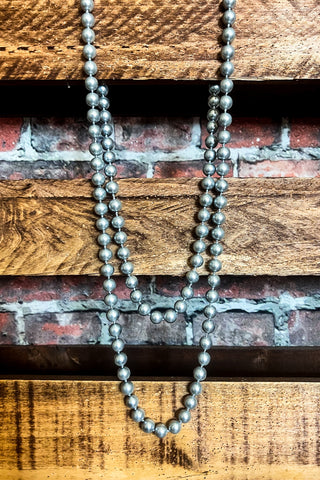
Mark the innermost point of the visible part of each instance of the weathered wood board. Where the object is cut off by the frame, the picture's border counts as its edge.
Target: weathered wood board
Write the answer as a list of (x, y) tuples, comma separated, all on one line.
[(79, 430), (47, 227), (143, 39)]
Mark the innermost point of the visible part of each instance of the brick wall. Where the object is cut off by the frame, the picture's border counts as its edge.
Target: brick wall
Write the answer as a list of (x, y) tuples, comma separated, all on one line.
[(68, 309)]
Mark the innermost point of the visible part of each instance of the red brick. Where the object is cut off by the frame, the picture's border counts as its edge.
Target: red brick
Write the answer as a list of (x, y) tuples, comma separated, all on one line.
[(239, 329), (10, 129), (55, 134), (305, 132), (182, 169), (62, 328), (140, 134), (304, 328), (8, 333), (280, 168)]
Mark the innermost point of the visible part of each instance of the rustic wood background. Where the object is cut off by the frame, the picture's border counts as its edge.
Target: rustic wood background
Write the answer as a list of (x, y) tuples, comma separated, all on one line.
[(150, 40)]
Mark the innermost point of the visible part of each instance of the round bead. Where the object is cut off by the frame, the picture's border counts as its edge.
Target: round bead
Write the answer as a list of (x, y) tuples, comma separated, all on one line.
[(91, 83), (180, 306), (214, 280), (144, 309), (212, 127), (225, 119), (201, 231), (210, 155), (223, 169), (100, 209), (131, 401), (111, 299), (220, 201), (123, 373), (115, 330), (115, 205), (108, 270), (104, 239), (196, 261), (223, 153), (187, 292), (192, 276), (206, 200), (184, 415), (132, 282), (226, 85), (215, 265), (112, 187), (117, 345), (226, 102), (113, 314), (94, 130), (203, 215), (90, 67), (211, 141), (156, 317), (120, 359), (106, 129), (229, 17), (137, 415), (199, 246), (123, 253), (96, 163), (217, 233), (95, 148), (204, 358), (127, 268), (174, 426), (210, 312), (98, 179), (205, 343), (110, 170), (227, 68), (107, 143), (105, 116), (120, 237), (103, 90), (126, 387), (218, 218), (88, 35), (117, 222), (227, 52), (228, 34), (212, 296), (160, 430), (89, 51), (93, 115), (207, 183), (170, 316), (87, 5), (213, 101), (208, 326), (109, 284), (212, 114), (92, 99), (229, 3), (221, 185), (136, 296), (102, 224), (148, 425), (99, 193), (214, 89), (199, 373), (190, 401), (195, 388), (208, 169), (216, 249)]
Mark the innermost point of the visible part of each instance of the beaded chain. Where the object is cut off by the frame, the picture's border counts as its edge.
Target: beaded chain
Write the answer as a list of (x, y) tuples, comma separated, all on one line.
[(105, 193)]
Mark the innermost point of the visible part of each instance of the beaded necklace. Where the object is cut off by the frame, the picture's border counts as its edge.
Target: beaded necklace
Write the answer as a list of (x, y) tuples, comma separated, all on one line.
[(105, 193)]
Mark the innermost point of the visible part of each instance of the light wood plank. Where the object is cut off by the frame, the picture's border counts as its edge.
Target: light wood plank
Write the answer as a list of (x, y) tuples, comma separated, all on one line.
[(79, 430), (139, 39), (272, 228)]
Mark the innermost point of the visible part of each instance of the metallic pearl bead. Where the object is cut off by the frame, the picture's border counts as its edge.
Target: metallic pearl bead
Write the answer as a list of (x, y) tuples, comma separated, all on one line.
[(148, 425), (100, 209), (220, 201), (211, 141), (196, 261), (227, 52), (107, 143), (210, 155), (214, 280), (187, 292), (99, 193), (137, 415), (103, 90), (214, 89), (208, 326), (104, 255), (144, 309), (223, 169), (112, 187), (93, 115), (195, 388), (95, 148), (212, 127), (198, 246), (203, 215), (90, 67), (98, 179), (131, 401), (136, 296), (170, 316), (212, 296), (123, 253), (180, 306), (117, 222), (110, 170), (208, 169), (111, 299), (204, 358), (132, 282), (199, 373), (214, 265), (105, 116), (120, 359), (218, 218), (210, 312), (192, 276), (94, 130), (216, 249), (102, 224), (226, 85), (221, 185), (225, 119), (206, 200), (224, 137), (120, 237), (115, 205), (104, 239), (115, 330), (108, 270), (228, 34), (174, 426), (160, 430), (87, 5), (201, 231), (156, 317), (117, 345), (127, 268), (213, 114), (213, 101), (106, 129), (227, 68), (91, 83), (229, 17), (207, 183), (205, 343), (113, 315), (217, 233), (126, 387), (109, 284), (96, 163), (123, 373), (89, 51), (88, 35), (92, 99), (226, 102), (184, 415), (190, 402), (229, 3)]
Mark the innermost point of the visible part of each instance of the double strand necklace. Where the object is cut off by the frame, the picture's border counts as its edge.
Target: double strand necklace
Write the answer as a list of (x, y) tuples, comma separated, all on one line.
[(105, 193)]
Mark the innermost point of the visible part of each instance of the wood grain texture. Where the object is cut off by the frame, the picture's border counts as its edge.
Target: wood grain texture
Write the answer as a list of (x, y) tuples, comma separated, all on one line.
[(143, 39), (272, 228), (79, 430)]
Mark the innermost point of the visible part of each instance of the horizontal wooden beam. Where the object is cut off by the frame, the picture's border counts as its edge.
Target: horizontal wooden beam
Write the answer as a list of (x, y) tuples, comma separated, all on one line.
[(80, 430), (139, 39), (272, 228)]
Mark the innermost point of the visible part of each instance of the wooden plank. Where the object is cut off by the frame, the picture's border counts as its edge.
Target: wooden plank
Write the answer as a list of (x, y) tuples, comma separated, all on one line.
[(47, 227), (79, 430), (139, 39)]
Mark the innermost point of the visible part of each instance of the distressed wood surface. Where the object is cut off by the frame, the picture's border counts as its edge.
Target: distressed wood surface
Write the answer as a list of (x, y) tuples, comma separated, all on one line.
[(79, 430), (143, 39), (272, 228)]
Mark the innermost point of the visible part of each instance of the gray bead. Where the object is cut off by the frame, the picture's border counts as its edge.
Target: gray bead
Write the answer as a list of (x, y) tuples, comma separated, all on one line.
[(213, 101), (115, 331), (108, 270), (95, 148), (208, 326), (208, 169), (223, 169), (226, 85), (223, 153), (98, 179), (206, 200), (227, 52), (92, 99), (195, 388), (104, 239), (225, 119), (105, 116), (212, 114), (126, 387), (170, 316), (201, 231), (100, 209), (199, 373), (111, 299), (217, 233), (198, 246), (99, 194), (96, 163), (221, 185), (214, 265), (227, 68), (87, 19), (112, 187), (93, 115), (205, 343), (210, 155), (115, 205), (94, 130), (190, 402), (88, 35), (156, 317), (174, 426), (214, 89), (229, 17), (87, 5), (196, 261), (216, 249), (187, 292), (110, 170), (229, 3), (210, 312), (127, 268), (226, 102), (117, 345), (204, 358), (103, 90), (212, 127), (123, 253), (107, 143), (228, 34), (214, 280), (211, 141), (132, 282), (120, 237), (102, 224), (91, 83), (117, 222), (207, 183), (136, 296), (105, 255), (123, 373), (220, 201), (148, 425), (184, 415), (192, 276), (144, 309), (113, 315), (137, 415), (180, 306), (203, 215), (120, 359), (109, 284), (89, 51), (160, 430), (212, 296), (106, 129), (131, 401), (218, 218)]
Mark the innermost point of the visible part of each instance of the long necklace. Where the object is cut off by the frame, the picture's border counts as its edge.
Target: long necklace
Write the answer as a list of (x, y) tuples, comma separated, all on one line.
[(105, 193)]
